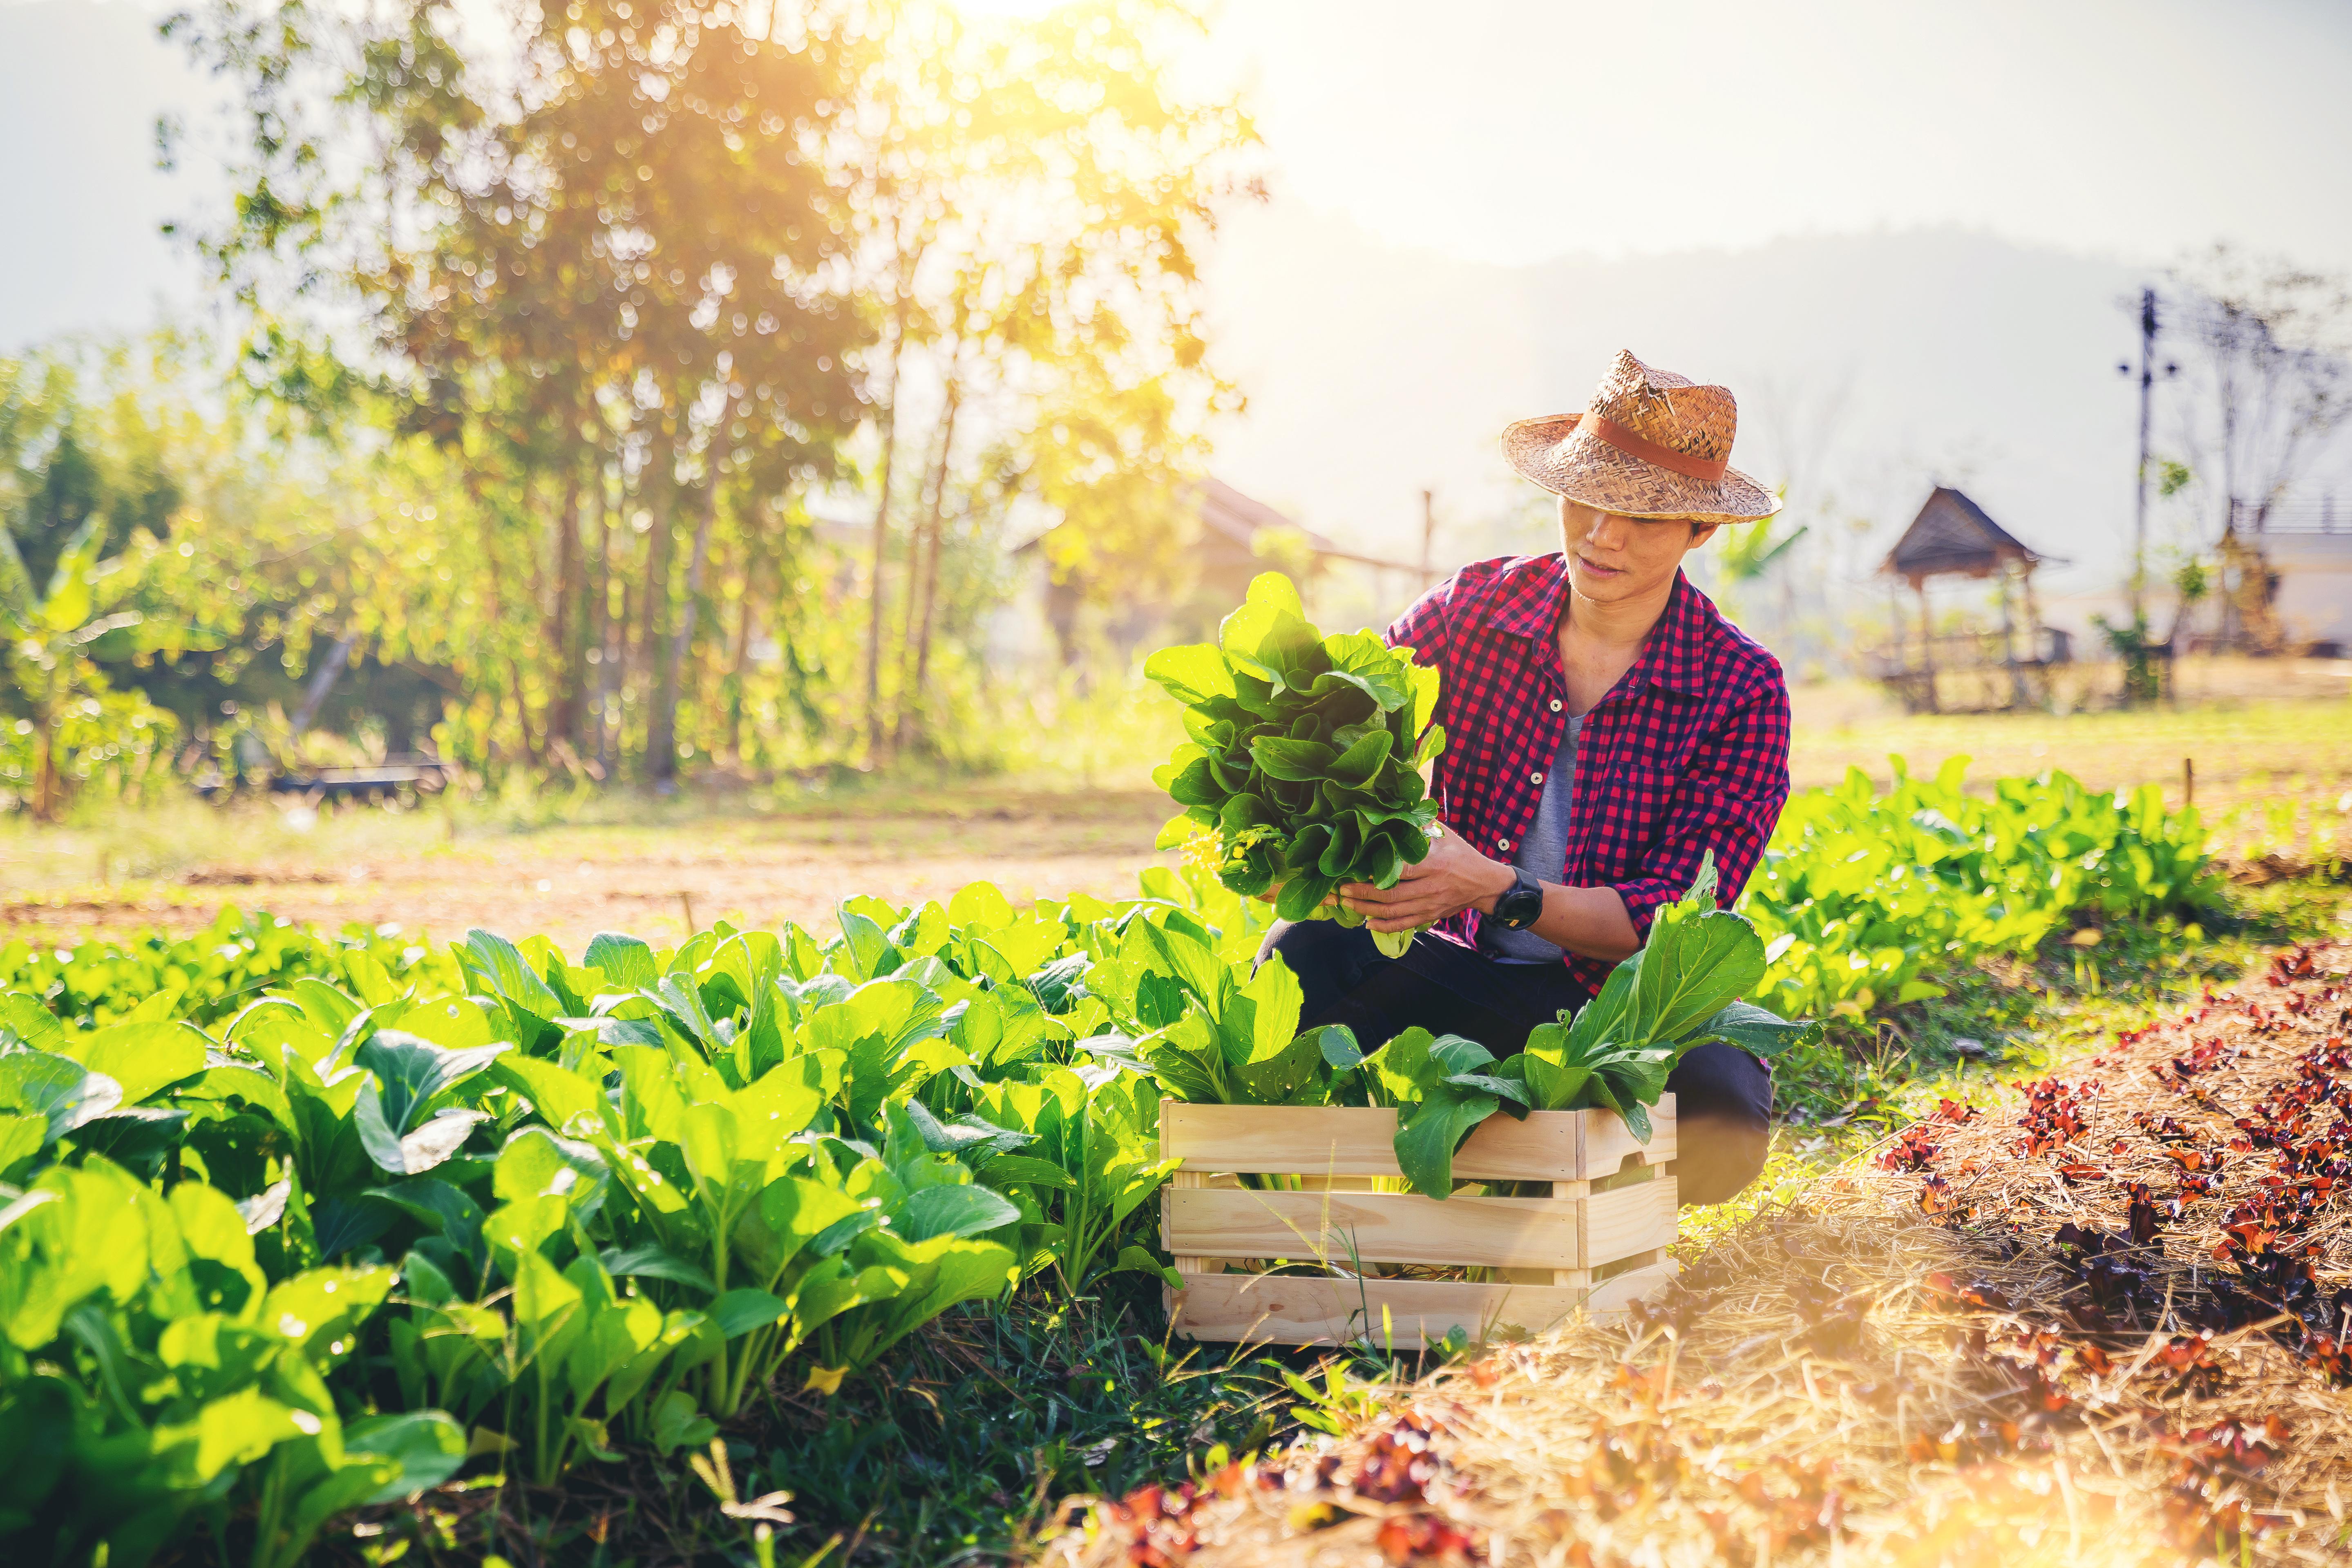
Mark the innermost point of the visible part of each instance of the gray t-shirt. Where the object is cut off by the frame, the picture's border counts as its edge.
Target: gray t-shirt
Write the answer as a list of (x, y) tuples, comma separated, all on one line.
[(1543, 855)]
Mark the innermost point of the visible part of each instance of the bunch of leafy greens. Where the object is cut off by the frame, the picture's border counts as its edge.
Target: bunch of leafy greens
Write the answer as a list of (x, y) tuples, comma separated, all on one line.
[(1683, 989), (1305, 754)]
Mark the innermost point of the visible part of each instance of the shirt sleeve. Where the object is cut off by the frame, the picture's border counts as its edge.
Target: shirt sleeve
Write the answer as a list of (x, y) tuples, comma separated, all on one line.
[(1729, 801), (1426, 628), (1422, 627)]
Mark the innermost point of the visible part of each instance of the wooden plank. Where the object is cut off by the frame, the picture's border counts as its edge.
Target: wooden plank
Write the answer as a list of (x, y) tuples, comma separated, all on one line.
[(1320, 1140), (1182, 1264), (1611, 1296), (1359, 1140), (1626, 1220), (1377, 1227), (1289, 1310), (1568, 1278), (1609, 1143), (1549, 1146)]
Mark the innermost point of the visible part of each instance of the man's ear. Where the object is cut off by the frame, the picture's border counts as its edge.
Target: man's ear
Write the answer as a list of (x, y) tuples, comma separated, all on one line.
[(1701, 532)]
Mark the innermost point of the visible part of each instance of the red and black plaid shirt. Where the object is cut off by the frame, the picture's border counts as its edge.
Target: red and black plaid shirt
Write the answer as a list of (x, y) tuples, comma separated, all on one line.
[(1690, 752)]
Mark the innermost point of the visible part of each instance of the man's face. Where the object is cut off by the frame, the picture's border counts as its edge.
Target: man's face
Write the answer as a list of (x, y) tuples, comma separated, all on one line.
[(1612, 559)]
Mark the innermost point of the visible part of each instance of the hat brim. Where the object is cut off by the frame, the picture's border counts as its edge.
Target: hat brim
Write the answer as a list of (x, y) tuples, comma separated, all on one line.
[(1579, 465)]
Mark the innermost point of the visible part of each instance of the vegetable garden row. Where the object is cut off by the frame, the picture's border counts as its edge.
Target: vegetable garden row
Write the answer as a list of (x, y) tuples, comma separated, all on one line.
[(295, 1224), (292, 1226)]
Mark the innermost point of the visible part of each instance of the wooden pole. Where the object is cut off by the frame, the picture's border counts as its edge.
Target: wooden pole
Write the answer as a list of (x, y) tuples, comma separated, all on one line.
[(2017, 697), (1927, 647), (1428, 539), (2034, 636)]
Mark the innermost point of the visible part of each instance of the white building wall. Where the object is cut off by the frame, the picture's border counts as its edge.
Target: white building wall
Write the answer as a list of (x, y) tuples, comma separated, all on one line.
[(2314, 586)]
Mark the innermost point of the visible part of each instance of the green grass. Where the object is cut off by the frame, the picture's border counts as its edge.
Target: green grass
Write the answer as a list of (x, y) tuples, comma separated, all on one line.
[(958, 1449)]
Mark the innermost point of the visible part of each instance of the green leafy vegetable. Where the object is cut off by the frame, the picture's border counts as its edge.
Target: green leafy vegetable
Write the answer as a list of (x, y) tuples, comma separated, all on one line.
[(1304, 754), (1681, 990)]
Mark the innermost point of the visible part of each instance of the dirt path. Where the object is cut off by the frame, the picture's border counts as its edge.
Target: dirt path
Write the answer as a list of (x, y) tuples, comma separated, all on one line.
[(570, 883), (2274, 779)]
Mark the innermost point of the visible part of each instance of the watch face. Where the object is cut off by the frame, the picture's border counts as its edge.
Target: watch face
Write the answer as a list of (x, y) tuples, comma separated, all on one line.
[(1519, 908)]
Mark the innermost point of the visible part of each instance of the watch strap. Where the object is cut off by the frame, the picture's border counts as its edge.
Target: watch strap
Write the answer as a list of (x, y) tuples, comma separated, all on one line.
[(1526, 893)]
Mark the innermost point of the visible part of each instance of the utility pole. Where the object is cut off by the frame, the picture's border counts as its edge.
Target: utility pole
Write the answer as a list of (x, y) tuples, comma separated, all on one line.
[(2139, 504)]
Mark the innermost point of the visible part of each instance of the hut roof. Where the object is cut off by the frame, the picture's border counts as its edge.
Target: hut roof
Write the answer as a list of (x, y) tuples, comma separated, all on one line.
[(1953, 535)]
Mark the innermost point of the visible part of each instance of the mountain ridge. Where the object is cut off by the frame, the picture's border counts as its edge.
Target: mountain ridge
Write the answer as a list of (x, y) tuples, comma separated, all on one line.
[(1870, 367)]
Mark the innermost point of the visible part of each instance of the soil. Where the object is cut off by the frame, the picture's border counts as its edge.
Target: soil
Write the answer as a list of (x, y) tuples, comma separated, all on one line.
[(570, 883)]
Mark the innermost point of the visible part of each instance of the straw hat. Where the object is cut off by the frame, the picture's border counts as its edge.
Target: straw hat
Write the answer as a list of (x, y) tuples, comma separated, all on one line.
[(1650, 443)]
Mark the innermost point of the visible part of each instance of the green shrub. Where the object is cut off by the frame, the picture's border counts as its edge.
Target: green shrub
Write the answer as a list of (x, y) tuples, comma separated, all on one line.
[(1864, 898)]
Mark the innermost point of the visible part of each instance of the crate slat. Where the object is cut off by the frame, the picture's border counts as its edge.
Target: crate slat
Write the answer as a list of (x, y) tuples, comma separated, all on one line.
[(1377, 1227), (1544, 1251), (1288, 1310), (1608, 1142), (1359, 1140), (1614, 1294), (1626, 1220)]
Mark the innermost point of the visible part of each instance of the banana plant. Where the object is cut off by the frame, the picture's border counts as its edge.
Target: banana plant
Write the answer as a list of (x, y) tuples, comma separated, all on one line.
[(55, 636)]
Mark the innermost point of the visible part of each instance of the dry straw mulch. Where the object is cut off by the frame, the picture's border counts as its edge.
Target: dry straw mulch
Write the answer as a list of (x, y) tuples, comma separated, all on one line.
[(2094, 1319)]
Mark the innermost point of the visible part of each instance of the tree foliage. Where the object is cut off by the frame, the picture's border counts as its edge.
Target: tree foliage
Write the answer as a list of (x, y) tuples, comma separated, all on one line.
[(571, 337)]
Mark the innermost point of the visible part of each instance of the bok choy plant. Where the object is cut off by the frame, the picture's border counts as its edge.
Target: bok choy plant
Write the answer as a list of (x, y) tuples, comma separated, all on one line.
[(1681, 990), (1304, 754)]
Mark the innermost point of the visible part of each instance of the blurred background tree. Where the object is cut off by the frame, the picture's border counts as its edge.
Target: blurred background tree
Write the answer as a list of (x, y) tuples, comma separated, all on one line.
[(634, 385)]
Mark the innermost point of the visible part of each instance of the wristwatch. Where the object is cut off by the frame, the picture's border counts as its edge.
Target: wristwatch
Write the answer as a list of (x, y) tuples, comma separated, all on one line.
[(1520, 905)]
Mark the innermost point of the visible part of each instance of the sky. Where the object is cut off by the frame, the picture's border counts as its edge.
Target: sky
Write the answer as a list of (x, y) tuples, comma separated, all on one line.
[(1497, 186), (1512, 132), (1520, 130)]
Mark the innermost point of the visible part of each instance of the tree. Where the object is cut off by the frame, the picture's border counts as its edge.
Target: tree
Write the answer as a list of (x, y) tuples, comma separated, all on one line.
[(595, 239), (602, 297), (1034, 206), (56, 636), (2268, 345)]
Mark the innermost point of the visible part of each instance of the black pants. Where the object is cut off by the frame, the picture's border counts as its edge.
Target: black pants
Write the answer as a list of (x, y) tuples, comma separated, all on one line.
[(1722, 1096)]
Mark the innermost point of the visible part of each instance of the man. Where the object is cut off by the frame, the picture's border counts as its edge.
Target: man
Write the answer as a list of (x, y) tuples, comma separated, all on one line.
[(1605, 728)]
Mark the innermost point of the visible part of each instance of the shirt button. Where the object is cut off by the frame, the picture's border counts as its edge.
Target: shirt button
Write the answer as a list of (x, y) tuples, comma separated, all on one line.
[(1555, 704), (1535, 778), (1504, 845)]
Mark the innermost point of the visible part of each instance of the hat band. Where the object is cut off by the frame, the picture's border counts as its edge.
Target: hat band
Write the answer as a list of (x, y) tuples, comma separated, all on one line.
[(1711, 469)]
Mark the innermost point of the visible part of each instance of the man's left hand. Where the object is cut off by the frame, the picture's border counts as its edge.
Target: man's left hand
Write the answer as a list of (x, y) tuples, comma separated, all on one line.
[(1451, 878)]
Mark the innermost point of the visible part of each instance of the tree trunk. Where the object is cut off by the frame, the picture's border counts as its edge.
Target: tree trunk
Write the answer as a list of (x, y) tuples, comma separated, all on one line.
[(874, 737), (664, 759), (923, 569), (745, 619), (562, 630), (323, 675), (47, 788), (653, 613), (610, 630), (494, 648), (615, 685)]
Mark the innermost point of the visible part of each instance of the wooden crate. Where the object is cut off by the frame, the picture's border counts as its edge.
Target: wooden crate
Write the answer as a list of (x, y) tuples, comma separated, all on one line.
[(1597, 1243)]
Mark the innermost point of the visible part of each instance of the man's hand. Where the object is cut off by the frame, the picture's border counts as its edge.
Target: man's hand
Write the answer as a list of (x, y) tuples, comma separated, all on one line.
[(1451, 879)]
